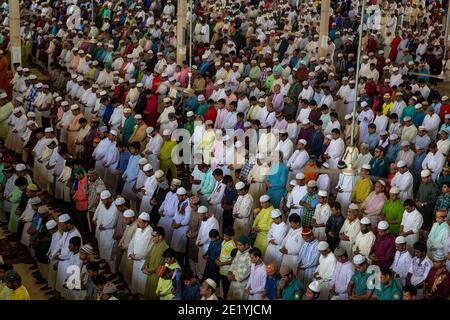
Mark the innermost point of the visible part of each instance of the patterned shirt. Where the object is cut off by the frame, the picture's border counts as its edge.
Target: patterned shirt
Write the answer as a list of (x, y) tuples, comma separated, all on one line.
[(308, 214)]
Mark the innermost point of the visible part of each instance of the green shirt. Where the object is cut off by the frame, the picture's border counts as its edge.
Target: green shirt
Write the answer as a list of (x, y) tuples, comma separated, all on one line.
[(292, 290), (201, 109), (393, 210), (360, 282), (393, 291), (408, 111), (189, 126)]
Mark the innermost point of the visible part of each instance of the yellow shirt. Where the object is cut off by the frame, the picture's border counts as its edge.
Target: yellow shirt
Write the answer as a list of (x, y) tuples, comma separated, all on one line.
[(225, 255), (362, 189), (387, 108), (20, 293), (262, 221)]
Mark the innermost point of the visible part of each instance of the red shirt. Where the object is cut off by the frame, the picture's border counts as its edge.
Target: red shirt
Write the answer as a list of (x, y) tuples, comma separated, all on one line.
[(150, 112), (445, 109), (211, 113), (81, 199), (441, 291)]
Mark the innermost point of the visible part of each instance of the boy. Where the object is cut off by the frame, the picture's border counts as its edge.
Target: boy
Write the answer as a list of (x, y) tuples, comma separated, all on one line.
[(225, 259), (213, 253), (191, 290)]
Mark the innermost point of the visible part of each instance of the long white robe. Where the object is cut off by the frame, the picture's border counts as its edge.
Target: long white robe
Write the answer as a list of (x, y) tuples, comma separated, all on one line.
[(342, 275), (126, 265), (404, 181), (150, 186), (139, 245), (292, 242), (64, 255), (168, 208), (182, 216), (99, 154), (363, 243), (346, 183), (351, 230), (203, 241), (411, 221), (335, 151), (401, 264), (435, 163), (276, 232), (321, 215), (106, 218), (325, 269), (27, 217), (243, 209)]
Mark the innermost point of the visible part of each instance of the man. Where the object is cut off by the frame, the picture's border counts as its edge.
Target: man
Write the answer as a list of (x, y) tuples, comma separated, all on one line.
[(275, 236), (378, 164), (358, 286), (292, 243), (289, 288), (262, 222), (342, 274), (242, 213), (140, 132), (215, 199), (439, 234), (390, 287), (334, 225), (419, 268), (364, 239), (410, 225), (180, 224), (403, 180), (308, 257), (402, 260), (325, 269), (209, 222), (373, 204), (240, 270), (14, 282), (393, 210), (363, 186), (138, 249), (153, 260), (62, 253), (168, 209), (434, 161), (426, 198), (383, 249), (257, 279), (437, 283), (165, 155), (105, 219), (350, 229), (126, 265)]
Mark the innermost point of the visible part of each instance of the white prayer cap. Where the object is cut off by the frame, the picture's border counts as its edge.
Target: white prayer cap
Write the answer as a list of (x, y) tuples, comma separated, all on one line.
[(425, 173), (353, 206), (323, 193), (87, 248), (358, 259), (35, 200), (132, 81), (48, 130), (20, 99), (305, 83), (240, 185), (176, 182), (401, 164), (293, 183), (444, 98), (39, 85), (166, 132), (149, 130), (364, 104), (422, 128), (119, 201), (323, 245), (226, 138), (260, 156), (400, 240), (20, 167), (312, 183), (144, 216), (74, 107), (314, 286), (264, 198), (181, 191), (63, 218), (113, 132), (300, 176), (128, 213), (383, 225), (58, 99), (326, 165), (418, 106), (32, 77), (365, 220), (64, 103), (348, 116), (201, 98), (142, 161), (303, 141), (211, 283), (138, 117), (275, 213), (3, 95), (26, 70), (407, 118), (105, 194), (394, 190), (30, 122), (366, 167), (16, 110), (305, 122), (51, 224), (202, 209), (103, 93), (148, 167), (405, 143), (190, 114), (80, 78), (139, 85), (31, 114)]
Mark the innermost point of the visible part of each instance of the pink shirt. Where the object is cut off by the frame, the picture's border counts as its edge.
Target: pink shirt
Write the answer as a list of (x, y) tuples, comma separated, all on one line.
[(374, 203)]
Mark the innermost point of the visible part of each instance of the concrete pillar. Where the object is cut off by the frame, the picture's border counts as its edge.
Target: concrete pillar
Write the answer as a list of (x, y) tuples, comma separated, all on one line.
[(14, 31), (323, 30), (181, 30)]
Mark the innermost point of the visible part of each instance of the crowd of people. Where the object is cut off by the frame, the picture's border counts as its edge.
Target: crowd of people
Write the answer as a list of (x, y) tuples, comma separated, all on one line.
[(238, 173)]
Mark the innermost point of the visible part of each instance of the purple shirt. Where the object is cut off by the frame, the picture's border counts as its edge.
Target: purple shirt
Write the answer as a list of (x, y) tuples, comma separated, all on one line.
[(278, 102), (384, 250)]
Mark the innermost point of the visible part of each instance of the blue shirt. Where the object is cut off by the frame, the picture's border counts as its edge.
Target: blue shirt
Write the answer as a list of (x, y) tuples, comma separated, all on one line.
[(379, 167), (417, 118), (392, 152), (124, 157), (372, 140), (417, 163), (132, 168), (271, 286), (191, 292)]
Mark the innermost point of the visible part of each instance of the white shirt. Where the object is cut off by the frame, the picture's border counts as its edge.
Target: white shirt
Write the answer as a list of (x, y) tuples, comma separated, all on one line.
[(404, 181), (342, 275), (326, 266), (412, 221), (286, 147), (435, 163), (298, 160), (401, 264), (203, 239), (419, 270)]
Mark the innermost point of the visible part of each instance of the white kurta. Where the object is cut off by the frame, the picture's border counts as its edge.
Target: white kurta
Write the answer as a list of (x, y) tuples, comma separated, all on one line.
[(277, 232), (64, 256), (150, 186), (342, 275), (139, 245), (321, 215), (168, 208), (182, 216), (412, 221), (325, 269), (404, 181), (351, 230), (401, 264), (292, 242), (106, 219), (363, 243)]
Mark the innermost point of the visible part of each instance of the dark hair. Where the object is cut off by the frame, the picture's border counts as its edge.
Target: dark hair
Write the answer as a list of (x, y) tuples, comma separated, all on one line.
[(227, 179), (169, 253), (99, 279), (82, 120), (336, 130), (160, 231), (334, 114), (234, 252), (336, 205), (214, 233), (20, 182), (380, 148), (386, 271), (75, 241), (372, 126), (393, 116), (411, 289), (217, 172), (255, 252), (421, 246), (187, 274), (409, 203), (295, 218), (6, 266), (229, 231), (93, 265), (135, 145), (240, 114)]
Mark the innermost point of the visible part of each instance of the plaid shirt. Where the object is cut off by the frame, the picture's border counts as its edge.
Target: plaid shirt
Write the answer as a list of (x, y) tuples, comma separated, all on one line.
[(31, 98), (246, 170), (443, 202)]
